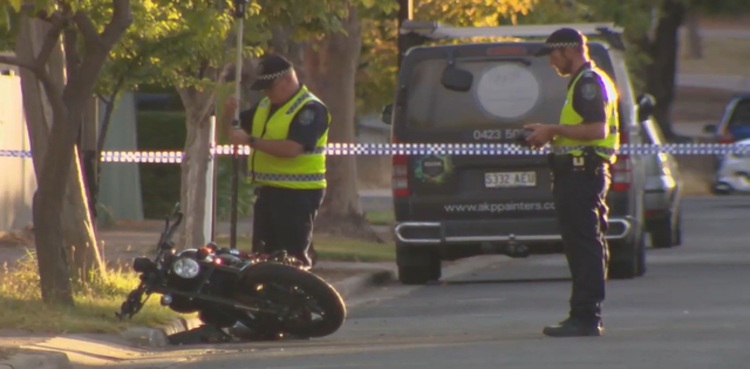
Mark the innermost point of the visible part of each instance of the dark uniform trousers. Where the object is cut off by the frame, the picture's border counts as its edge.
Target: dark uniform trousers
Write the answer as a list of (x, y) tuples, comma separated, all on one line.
[(283, 220), (580, 187)]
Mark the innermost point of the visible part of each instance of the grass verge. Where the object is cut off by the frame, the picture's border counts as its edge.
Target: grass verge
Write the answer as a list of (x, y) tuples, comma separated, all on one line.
[(337, 249), (381, 217), (21, 305)]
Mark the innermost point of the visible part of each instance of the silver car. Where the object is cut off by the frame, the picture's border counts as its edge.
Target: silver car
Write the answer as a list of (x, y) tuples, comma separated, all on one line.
[(663, 192)]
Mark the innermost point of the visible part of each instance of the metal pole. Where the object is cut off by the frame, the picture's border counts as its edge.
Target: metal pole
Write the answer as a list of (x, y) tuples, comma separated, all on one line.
[(239, 14), (405, 12), (208, 218)]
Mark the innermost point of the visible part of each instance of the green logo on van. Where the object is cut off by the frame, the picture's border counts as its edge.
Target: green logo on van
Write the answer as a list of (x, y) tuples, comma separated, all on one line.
[(433, 168)]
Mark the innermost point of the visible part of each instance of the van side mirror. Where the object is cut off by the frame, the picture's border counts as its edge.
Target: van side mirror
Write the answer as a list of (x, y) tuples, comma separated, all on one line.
[(456, 79), (646, 104), (709, 128), (387, 113)]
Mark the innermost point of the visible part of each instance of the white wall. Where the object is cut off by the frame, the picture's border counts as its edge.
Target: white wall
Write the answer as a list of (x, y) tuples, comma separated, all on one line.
[(17, 179), (120, 189)]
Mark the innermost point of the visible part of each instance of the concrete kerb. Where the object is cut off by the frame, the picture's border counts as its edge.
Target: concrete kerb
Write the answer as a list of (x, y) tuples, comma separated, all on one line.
[(37, 359), (158, 336)]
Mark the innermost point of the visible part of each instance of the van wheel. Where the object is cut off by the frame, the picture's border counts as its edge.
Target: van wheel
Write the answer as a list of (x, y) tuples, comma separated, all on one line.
[(418, 265), (628, 259)]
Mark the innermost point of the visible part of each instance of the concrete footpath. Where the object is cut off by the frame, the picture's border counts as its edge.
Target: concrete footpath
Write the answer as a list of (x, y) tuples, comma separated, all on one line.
[(20, 350)]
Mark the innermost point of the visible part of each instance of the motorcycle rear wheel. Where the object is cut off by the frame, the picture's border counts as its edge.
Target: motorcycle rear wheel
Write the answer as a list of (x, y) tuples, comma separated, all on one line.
[(307, 305)]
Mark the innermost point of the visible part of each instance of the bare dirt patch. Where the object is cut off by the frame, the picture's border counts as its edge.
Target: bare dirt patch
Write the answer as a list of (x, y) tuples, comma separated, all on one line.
[(726, 56), (726, 22)]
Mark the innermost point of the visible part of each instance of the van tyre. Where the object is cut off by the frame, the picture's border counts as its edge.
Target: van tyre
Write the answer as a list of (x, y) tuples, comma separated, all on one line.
[(628, 259), (418, 265)]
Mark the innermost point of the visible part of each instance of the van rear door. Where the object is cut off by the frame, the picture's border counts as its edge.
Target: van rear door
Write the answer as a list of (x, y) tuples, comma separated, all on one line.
[(509, 88)]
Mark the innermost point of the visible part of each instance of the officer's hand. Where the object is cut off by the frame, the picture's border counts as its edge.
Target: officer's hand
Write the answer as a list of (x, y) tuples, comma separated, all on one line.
[(540, 134), (238, 137)]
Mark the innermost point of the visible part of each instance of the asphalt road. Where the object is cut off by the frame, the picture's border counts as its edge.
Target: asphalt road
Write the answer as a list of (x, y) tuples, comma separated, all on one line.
[(689, 311)]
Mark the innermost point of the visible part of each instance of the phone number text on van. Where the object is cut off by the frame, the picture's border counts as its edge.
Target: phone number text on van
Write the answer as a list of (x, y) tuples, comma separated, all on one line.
[(497, 134)]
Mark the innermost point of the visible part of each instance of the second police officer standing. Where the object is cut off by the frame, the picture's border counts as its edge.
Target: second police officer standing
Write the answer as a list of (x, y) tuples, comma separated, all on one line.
[(583, 148)]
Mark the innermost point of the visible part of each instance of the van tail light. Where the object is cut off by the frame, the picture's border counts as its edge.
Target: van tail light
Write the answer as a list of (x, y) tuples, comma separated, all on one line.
[(622, 171), (622, 174), (726, 138), (400, 180)]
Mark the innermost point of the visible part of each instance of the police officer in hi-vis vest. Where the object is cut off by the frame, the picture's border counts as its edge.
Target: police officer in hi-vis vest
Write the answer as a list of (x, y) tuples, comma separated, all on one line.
[(583, 148), (287, 131)]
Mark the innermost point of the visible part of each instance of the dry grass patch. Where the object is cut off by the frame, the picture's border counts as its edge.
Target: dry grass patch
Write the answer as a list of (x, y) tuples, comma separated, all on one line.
[(726, 56), (21, 306)]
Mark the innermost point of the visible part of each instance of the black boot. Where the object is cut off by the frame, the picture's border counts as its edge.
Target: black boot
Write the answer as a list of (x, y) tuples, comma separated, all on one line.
[(575, 327)]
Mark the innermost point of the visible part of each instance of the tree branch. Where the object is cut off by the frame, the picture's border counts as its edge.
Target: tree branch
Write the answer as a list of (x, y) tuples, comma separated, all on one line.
[(57, 21), (72, 56), (122, 17), (12, 60), (90, 36)]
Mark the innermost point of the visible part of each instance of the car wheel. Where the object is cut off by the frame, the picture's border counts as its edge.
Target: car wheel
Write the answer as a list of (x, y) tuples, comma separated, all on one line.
[(418, 265), (677, 237), (628, 258), (641, 256), (722, 188), (662, 233)]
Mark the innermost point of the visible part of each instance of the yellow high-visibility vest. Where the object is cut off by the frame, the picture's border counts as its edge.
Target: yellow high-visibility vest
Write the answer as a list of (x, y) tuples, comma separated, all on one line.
[(606, 147), (306, 171)]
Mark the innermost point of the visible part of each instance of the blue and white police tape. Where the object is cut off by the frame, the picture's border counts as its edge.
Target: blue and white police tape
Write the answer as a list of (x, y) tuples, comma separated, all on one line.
[(418, 149)]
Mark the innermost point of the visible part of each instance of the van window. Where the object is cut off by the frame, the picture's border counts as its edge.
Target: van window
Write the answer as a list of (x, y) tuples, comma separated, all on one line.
[(503, 92), (741, 114)]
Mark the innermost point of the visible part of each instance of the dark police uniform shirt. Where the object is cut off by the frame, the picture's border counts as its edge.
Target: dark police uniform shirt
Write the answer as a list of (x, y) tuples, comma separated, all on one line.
[(590, 96), (306, 128)]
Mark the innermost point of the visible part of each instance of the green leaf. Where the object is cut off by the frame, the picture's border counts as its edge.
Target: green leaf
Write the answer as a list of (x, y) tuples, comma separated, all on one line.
[(16, 4), (4, 19)]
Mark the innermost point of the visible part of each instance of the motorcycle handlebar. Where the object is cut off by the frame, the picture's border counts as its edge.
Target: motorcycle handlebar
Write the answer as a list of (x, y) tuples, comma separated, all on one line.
[(171, 227)]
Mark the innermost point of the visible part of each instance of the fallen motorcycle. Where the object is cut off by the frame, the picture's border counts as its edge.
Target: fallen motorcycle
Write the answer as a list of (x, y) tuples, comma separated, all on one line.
[(271, 295)]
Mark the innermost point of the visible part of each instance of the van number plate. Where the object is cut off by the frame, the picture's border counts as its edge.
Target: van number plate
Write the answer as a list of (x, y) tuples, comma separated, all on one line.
[(510, 179)]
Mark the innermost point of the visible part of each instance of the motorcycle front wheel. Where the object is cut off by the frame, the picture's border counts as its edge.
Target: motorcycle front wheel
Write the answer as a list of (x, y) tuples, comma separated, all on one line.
[(294, 301)]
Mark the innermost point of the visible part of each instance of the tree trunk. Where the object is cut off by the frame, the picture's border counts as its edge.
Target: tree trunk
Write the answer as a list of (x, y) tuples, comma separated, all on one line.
[(48, 208), (67, 105), (77, 229), (330, 68), (195, 166), (36, 104), (53, 267), (662, 71)]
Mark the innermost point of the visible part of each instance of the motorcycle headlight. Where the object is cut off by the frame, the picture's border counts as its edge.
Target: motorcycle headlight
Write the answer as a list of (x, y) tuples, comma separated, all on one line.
[(186, 268)]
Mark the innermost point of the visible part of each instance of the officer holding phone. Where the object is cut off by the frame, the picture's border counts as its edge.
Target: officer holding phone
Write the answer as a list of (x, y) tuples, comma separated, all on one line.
[(583, 148)]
